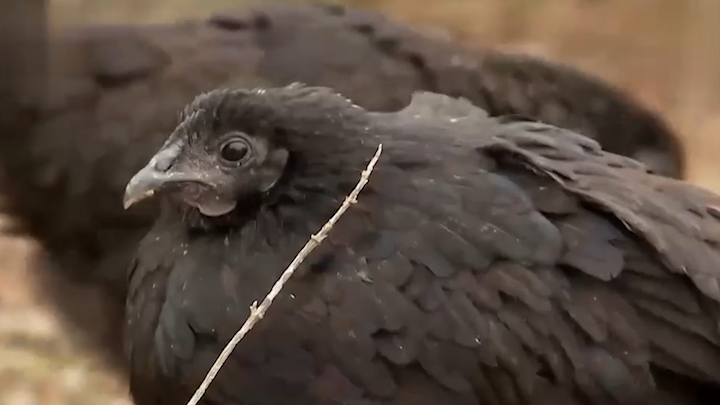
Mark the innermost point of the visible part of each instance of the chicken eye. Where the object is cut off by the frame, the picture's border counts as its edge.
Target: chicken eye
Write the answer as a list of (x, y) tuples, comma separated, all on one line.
[(234, 151)]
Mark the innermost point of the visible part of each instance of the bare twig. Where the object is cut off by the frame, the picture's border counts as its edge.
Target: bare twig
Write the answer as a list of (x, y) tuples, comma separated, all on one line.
[(257, 312)]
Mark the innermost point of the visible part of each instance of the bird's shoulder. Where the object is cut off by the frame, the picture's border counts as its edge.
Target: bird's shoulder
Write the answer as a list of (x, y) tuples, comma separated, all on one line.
[(538, 255), (535, 239)]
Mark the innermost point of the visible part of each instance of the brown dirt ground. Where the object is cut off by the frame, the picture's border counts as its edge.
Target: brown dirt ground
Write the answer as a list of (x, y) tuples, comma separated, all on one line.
[(39, 365), (664, 51)]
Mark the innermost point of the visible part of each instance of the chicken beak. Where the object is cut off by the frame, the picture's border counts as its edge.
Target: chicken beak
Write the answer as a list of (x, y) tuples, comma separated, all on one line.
[(157, 173), (143, 185), (151, 178)]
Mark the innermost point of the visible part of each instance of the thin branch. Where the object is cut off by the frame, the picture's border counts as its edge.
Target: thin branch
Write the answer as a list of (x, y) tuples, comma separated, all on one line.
[(257, 312)]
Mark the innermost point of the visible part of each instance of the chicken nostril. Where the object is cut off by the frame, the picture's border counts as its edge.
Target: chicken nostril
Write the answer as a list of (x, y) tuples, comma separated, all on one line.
[(165, 159)]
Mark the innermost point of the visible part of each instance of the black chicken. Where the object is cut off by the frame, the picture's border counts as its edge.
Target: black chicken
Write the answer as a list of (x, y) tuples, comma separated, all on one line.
[(114, 92), (488, 261)]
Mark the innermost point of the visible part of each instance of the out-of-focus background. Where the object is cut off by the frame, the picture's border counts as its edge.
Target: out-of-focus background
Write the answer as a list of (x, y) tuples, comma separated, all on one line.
[(666, 52)]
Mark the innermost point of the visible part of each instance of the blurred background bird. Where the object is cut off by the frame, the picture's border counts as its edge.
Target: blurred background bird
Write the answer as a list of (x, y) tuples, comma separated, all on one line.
[(104, 86)]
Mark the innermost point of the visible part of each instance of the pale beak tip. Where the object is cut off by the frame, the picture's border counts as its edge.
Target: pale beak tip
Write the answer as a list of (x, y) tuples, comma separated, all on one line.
[(131, 200)]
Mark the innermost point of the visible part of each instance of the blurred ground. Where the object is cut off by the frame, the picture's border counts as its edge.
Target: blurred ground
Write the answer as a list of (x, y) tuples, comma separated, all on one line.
[(38, 363), (664, 51)]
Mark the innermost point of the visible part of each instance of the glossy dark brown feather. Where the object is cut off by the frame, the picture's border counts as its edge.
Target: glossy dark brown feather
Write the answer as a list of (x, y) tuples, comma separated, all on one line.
[(512, 263)]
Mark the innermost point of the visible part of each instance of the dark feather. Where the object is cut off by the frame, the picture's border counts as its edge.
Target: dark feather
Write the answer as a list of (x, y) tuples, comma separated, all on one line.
[(490, 298)]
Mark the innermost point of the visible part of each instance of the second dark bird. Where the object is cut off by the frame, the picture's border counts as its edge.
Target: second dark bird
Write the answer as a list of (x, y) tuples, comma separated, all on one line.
[(488, 261)]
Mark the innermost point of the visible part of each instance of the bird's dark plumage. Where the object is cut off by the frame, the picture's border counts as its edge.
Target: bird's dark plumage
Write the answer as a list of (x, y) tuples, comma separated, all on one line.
[(488, 261), (114, 92)]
